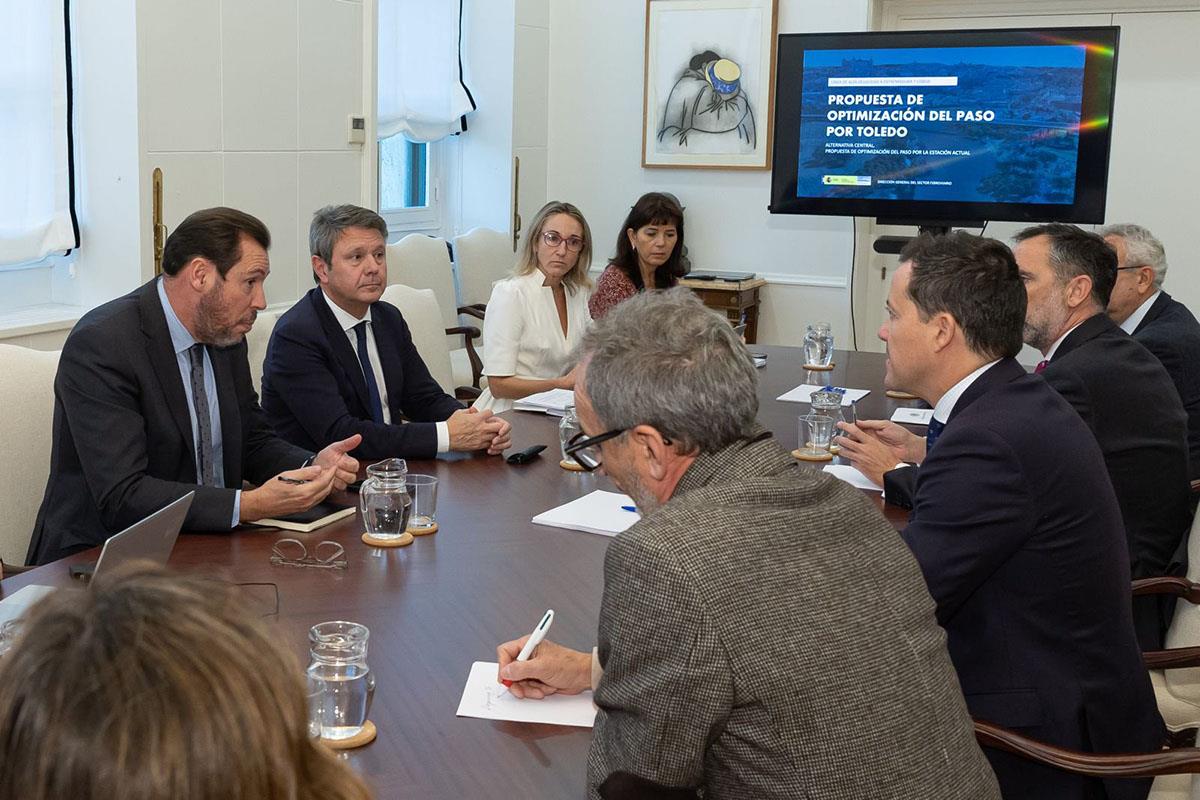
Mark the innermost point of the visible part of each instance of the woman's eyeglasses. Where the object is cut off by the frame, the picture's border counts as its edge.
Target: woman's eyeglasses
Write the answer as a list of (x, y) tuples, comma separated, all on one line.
[(554, 239)]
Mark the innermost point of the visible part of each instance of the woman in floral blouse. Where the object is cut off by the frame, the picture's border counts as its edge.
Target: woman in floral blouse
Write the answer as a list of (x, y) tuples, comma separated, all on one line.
[(649, 250)]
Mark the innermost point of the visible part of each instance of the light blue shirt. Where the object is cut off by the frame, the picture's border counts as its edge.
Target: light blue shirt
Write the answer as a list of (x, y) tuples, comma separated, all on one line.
[(182, 341)]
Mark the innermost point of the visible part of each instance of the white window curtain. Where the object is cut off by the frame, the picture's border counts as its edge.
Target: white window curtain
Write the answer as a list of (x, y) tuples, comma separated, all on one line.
[(421, 91), (36, 213)]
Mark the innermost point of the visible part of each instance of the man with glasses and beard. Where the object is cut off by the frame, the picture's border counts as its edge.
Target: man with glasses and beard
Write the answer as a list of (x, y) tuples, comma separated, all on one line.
[(736, 611), (153, 399)]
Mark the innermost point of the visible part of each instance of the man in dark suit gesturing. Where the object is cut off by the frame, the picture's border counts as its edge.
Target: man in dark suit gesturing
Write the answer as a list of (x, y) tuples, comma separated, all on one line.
[(342, 362), (739, 611), (153, 399), (1119, 389), (1014, 521), (1160, 322)]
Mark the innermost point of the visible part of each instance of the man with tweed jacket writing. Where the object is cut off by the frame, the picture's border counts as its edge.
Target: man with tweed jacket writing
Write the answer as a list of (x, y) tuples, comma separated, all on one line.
[(764, 632)]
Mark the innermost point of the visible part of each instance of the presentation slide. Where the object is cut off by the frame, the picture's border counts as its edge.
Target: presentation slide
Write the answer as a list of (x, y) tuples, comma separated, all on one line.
[(976, 124)]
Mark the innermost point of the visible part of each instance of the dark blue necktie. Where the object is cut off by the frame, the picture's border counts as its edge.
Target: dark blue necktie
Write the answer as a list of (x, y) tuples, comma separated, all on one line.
[(931, 435), (360, 330)]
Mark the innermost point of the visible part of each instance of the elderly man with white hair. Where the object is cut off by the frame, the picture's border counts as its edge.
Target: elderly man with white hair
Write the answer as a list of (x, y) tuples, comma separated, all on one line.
[(1161, 323)]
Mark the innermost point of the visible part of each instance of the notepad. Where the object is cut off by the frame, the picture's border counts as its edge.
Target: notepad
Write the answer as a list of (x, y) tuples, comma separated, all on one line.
[(553, 402), (318, 516), (852, 476), (599, 512), (803, 394), (912, 416), (484, 698)]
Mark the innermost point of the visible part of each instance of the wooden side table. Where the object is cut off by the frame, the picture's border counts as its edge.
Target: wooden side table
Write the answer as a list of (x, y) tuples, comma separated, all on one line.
[(736, 300)]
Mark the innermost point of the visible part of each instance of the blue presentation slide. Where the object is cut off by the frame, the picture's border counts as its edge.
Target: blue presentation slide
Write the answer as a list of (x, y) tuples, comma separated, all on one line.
[(975, 124)]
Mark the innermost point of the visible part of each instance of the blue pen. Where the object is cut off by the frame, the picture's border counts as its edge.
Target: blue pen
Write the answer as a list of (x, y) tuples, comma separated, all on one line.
[(629, 508), (837, 389)]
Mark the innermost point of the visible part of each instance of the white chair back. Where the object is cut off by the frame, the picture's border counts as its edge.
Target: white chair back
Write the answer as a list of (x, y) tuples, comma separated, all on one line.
[(27, 397), (1184, 684), (256, 345), (423, 262), (420, 310), (483, 256)]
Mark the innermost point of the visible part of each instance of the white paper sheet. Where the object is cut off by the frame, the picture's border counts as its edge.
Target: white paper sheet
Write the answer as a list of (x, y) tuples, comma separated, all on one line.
[(482, 697), (803, 394), (16, 603), (852, 476), (912, 416), (553, 402), (599, 512)]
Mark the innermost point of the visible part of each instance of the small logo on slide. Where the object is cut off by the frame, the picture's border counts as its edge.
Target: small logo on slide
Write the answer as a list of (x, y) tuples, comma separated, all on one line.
[(846, 180)]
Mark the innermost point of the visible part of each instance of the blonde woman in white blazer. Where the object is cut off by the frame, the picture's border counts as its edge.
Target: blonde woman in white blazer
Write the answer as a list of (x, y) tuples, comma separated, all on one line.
[(536, 317)]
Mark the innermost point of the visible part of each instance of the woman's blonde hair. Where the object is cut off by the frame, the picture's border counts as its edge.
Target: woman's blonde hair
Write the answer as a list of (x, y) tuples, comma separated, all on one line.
[(577, 278), (151, 684)]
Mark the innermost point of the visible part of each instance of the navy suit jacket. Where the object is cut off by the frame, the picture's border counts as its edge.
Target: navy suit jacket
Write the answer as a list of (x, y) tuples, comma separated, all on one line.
[(314, 392), (1171, 332), (1019, 536), (1126, 398), (122, 441)]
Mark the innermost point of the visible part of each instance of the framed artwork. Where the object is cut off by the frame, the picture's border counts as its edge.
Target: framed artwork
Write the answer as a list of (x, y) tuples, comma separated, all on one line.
[(709, 84)]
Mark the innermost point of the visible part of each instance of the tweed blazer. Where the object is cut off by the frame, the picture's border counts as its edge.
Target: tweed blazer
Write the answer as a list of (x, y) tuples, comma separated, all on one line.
[(767, 634)]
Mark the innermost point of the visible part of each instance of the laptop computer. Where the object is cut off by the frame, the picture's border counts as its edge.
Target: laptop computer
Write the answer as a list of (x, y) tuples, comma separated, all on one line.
[(151, 539)]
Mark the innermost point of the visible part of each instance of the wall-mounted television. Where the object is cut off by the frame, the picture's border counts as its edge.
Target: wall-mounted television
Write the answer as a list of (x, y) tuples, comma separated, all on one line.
[(935, 126)]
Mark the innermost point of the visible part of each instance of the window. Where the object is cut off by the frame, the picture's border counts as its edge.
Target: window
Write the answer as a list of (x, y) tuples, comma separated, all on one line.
[(408, 189), (37, 216)]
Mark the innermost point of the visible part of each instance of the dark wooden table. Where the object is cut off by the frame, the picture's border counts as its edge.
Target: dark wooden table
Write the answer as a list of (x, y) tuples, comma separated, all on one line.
[(447, 600)]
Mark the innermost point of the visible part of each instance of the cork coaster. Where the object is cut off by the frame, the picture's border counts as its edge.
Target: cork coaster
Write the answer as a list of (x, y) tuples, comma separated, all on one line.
[(571, 466), (404, 541), (805, 457), (896, 394), (833, 448), (423, 531), (819, 368), (365, 736)]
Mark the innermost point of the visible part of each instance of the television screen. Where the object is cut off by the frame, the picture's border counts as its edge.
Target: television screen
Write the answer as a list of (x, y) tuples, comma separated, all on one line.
[(945, 125)]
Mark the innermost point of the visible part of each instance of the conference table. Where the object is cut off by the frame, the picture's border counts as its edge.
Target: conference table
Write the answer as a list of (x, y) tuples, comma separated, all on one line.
[(448, 599)]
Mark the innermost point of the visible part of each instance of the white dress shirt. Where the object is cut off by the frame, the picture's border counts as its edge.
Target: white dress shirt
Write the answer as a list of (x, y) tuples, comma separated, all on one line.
[(945, 405), (522, 335), (1135, 319), (1054, 347), (347, 321)]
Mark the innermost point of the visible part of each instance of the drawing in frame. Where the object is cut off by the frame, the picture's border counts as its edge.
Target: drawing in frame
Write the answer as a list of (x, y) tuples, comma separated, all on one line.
[(709, 83)]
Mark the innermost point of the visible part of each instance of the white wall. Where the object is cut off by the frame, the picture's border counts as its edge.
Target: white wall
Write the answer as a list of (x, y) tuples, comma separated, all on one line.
[(596, 56), (480, 173)]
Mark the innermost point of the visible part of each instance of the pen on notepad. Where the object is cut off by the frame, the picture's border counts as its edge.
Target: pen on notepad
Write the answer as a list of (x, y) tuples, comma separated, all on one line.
[(535, 638), (629, 508)]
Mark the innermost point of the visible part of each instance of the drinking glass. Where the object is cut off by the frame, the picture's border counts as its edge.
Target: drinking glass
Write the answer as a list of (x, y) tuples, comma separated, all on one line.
[(384, 500), (423, 490), (829, 404), (816, 431), (818, 344), (340, 684), (567, 429)]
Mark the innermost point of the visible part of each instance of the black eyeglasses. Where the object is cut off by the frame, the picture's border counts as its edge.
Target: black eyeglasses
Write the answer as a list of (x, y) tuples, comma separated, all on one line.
[(586, 449)]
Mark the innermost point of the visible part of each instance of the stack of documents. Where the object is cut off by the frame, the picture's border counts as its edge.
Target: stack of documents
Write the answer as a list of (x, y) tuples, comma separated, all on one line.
[(484, 698), (553, 402), (803, 394), (605, 513)]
